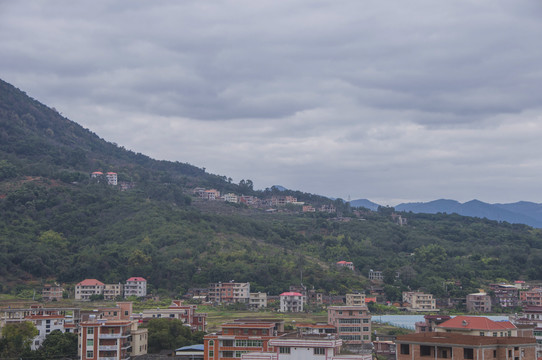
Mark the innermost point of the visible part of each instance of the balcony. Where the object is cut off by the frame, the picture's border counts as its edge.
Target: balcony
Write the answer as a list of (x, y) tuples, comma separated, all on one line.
[(108, 347), (113, 336), (107, 358)]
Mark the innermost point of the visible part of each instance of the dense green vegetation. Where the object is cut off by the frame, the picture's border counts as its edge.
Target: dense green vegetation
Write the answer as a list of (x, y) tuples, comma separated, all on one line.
[(58, 224)]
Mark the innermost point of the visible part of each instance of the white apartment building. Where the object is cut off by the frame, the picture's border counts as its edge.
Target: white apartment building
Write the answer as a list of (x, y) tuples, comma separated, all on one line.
[(291, 302), (135, 286)]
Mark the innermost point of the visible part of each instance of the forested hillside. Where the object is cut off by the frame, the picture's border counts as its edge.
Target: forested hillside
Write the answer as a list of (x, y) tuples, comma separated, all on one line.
[(56, 223)]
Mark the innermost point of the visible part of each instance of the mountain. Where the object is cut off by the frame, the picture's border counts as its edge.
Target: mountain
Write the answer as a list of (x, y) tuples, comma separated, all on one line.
[(57, 224), (364, 203), (517, 213)]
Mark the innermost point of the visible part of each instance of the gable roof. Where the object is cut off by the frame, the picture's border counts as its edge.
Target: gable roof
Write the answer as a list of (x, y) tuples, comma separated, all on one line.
[(136, 279), (90, 282), (291, 293), (476, 323)]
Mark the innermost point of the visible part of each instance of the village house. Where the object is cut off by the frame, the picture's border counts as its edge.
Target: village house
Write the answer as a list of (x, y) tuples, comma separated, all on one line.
[(463, 347), (355, 300), (258, 300), (88, 287), (230, 197), (346, 264), (52, 292), (135, 286), (376, 275), (304, 347), (477, 326), (479, 302), (532, 316), (112, 291), (240, 337), (229, 292), (505, 295), (177, 310), (418, 301), (291, 302), (531, 297), (353, 323)]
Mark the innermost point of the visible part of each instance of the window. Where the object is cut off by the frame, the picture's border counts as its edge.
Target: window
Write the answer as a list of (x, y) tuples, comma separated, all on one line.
[(481, 333), (495, 334), (494, 353), (365, 321), (510, 353), (211, 343), (284, 350), (228, 354), (90, 343), (211, 353), (90, 331), (425, 350), (90, 354), (405, 349), (468, 353), (227, 342), (319, 351), (365, 337), (238, 353), (365, 328)]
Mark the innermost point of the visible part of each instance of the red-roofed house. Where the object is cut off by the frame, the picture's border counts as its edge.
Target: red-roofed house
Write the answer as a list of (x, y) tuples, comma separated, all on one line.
[(135, 286), (478, 326), (88, 287), (291, 302)]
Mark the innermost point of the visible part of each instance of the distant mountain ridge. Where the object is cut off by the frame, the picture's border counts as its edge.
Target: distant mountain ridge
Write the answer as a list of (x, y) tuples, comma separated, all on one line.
[(522, 212), (368, 204)]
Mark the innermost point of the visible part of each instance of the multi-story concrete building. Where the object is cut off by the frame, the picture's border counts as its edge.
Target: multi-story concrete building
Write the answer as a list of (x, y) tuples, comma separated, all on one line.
[(532, 315), (185, 313), (531, 297), (88, 287), (505, 295), (52, 292), (45, 325), (240, 337), (229, 292), (346, 264), (477, 326), (304, 347), (418, 301), (463, 347), (112, 291), (105, 339), (230, 197), (355, 300), (258, 300), (479, 302), (135, 286), (353, 323), (111, 178), (376, 275), (291, 302)]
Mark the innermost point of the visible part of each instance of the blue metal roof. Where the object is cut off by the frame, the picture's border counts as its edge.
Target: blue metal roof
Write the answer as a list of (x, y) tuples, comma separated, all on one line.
[(198, 347)]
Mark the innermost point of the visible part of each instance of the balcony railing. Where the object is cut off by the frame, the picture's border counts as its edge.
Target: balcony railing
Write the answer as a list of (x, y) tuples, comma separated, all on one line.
[(113, 336), (108, 347)]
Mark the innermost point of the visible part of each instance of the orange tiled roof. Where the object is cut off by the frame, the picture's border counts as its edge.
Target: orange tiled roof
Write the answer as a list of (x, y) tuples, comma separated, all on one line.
[(90, 282), (476, 323)]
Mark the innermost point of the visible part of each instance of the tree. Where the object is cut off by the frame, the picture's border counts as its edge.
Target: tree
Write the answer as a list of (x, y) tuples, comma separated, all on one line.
[(16, 339), (168, 334), (58, 344)]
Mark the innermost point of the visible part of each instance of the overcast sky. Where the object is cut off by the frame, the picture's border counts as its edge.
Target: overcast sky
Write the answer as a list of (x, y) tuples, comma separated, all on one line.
[(392, 101)]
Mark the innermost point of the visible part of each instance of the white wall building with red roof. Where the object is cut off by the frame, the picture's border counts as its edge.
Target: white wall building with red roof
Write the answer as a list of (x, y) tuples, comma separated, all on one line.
[(88, 287), (291, 302), (135, 286)]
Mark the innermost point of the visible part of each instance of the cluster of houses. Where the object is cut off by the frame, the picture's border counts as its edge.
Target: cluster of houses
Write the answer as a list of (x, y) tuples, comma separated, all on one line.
[(86, 289), (253, 201), (105, 333)]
